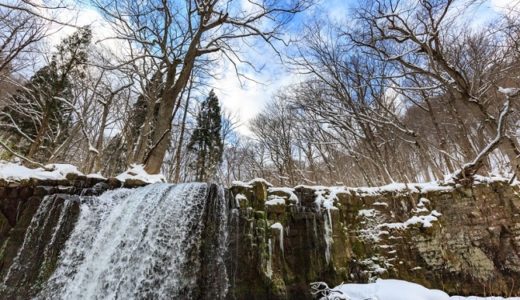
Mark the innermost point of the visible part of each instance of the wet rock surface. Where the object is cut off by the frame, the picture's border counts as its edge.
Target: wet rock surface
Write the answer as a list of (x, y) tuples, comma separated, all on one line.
[(464, 240), (19, 202)]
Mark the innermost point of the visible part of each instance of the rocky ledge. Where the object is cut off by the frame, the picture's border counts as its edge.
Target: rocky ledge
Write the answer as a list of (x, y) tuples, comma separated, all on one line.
[(463, 240)]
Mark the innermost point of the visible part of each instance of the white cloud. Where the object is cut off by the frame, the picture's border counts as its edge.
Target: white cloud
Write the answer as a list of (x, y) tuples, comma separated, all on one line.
[(505, 5), (102, 31), (248, 99)]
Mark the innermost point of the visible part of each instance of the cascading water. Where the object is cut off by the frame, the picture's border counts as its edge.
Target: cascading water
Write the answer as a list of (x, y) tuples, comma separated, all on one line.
[(157, 242)]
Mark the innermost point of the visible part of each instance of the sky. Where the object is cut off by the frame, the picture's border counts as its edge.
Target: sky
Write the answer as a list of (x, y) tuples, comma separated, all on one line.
[(248, 99), (245, 98)]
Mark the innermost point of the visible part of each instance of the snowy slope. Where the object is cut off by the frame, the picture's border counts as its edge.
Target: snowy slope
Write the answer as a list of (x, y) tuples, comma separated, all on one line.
[(391, 289)]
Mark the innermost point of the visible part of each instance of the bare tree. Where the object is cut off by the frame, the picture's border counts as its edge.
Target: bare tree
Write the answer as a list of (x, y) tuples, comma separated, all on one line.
[(176, 34), (427, 40)]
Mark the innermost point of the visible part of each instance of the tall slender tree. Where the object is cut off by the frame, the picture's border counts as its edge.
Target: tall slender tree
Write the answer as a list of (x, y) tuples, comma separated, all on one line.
[(206, 142)]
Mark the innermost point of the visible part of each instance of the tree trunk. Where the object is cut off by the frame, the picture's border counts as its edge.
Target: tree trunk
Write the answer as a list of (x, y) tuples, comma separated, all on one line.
[(178, 156), (94, 164), (35, 145), (174, 88)]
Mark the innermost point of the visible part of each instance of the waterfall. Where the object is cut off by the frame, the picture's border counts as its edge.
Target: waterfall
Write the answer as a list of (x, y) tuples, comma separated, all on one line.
[(157, 242)]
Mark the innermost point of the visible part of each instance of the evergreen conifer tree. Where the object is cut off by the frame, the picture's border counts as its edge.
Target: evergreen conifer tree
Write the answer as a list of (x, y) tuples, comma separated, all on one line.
[(38, 111), (206, 142)]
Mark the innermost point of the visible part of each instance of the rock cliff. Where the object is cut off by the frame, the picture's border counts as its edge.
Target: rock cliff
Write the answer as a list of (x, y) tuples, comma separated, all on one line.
[(463, 240)]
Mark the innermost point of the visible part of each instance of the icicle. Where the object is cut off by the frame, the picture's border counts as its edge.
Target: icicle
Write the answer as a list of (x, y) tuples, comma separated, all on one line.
[(328, 235), (269, 267)]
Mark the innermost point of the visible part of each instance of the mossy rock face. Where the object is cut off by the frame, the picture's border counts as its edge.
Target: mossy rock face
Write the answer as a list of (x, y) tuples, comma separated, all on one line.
[(279, 193), (241, 201), (114, 183), (260, 215), (39, 257), (275, 209), (472, 248), (473, 243), (5, 227), (259, 194), (133, 183)]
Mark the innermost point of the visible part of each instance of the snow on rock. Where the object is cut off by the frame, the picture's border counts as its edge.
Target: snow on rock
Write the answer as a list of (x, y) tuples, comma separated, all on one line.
[(509, 91), (491, 179), (278, 226), (367, 212), (403, 187), (96, 176), (250, 183), (375, 225), (275, 200), (241, 184), (14, 172), (289, 191), (240, 198), (391, 289), (325, 197), (424, 221), (137, 172), (386, 289), (64, 169), (376, 266)]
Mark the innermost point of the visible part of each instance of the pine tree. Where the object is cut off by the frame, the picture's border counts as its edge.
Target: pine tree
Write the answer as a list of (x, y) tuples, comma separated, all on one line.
[(206, 142), (38, 111)]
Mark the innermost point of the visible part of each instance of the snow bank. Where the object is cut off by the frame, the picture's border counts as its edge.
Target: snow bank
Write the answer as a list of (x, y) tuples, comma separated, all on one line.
[(15, 172), (137, 172), (391, 289)]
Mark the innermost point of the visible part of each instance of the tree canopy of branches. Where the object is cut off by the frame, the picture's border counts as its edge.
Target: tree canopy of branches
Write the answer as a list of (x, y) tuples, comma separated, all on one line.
[(169, 39), (400, 90)]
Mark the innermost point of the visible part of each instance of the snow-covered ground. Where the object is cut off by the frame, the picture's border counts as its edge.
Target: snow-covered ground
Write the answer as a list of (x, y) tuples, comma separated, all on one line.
[(391, 289), (137, 172), (15, 172)]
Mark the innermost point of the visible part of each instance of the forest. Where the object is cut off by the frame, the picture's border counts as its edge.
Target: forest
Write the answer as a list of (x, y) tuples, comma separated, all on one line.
[(392, 91)]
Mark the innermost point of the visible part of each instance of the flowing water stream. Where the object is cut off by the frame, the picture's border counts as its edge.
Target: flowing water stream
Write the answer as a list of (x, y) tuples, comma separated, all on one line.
[(161, 241)]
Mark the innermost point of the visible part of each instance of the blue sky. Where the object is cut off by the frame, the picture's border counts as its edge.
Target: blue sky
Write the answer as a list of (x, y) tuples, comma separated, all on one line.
[(247, 100)]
